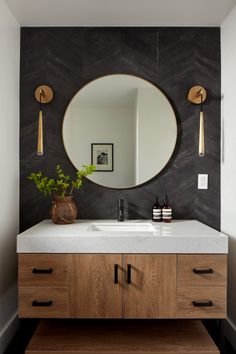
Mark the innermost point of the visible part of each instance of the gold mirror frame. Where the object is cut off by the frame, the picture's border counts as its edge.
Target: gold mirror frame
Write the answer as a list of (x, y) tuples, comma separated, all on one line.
[(160, 91)]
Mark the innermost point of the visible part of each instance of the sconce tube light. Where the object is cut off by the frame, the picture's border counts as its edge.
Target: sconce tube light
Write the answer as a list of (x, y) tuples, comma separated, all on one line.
[(43, 94), (40, 134), (201, 136), (201, 142)]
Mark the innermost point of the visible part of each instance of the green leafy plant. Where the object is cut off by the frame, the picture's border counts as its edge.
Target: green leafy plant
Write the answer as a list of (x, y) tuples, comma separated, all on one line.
[(62, 185)]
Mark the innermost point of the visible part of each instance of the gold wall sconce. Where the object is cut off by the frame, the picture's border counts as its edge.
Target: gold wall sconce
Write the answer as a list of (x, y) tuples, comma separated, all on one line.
[(197, 95), (43, 94)]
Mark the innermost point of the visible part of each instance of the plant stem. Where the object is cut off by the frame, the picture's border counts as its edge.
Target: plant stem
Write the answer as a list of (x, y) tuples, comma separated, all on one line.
[(71, 191)]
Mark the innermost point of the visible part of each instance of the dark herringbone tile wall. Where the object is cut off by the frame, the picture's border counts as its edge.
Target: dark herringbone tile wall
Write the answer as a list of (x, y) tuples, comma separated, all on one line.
[(172, 58)]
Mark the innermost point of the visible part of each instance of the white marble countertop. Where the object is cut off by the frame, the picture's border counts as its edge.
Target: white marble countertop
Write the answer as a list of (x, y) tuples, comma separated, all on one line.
[(179, 236)]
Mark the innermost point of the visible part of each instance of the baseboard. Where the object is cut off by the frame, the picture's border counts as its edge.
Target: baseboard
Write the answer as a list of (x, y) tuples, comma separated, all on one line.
[(8, 332), (229, 332)]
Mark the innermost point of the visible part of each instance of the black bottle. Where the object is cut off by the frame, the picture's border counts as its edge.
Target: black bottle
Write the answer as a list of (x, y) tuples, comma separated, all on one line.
[(166, 211), (156, 212)]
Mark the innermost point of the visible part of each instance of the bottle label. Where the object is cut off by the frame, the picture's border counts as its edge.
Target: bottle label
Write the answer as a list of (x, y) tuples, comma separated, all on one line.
[(167, 214), (156, 214)]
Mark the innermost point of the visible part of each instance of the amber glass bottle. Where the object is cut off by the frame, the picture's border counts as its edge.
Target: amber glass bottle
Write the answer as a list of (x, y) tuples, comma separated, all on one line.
[(166, 211), (156, 212)]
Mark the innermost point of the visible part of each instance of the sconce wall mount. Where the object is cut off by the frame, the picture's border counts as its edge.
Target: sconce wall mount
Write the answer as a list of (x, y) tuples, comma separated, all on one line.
[(45, 92), (195, 94)]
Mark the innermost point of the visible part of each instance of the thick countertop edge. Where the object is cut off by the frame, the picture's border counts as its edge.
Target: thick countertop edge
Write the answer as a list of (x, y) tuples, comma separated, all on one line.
[(116, 252), (179, 237)]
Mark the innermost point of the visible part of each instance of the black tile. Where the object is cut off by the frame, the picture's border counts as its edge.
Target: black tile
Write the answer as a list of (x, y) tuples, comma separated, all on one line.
[(172, 58)]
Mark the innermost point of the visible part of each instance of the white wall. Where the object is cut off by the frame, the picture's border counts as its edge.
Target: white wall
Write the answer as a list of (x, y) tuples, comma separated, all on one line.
[(102, 125), (156, 131), (228, 165), (9, 171)]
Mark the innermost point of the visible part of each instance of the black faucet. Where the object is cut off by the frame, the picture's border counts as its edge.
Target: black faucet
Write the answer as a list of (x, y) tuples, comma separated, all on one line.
[(121, 211)]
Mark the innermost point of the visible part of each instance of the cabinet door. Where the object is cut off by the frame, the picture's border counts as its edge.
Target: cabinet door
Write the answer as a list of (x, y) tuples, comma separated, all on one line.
[(96, 286), (150, 286)]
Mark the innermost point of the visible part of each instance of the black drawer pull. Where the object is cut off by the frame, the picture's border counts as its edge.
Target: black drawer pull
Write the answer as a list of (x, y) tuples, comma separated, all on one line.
[(129, 274), (42, 303), (203, 271), (203, 304), (116, 268), (42, 271)]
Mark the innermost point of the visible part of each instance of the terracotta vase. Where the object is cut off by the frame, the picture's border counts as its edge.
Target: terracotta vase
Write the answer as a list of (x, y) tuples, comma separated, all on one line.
[(63, 210)]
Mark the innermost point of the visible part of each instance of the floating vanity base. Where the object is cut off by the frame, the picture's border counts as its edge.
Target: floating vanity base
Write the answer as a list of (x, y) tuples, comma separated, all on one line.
[(121, 337)]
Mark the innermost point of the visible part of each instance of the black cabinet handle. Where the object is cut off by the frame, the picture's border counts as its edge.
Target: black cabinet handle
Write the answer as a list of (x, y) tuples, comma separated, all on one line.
[(42, 271), (203, 271), (128, 273), (116, 268), (203, 304), (42, 303)]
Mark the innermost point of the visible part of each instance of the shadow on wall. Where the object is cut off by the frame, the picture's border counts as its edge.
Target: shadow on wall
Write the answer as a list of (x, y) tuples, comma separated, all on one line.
[(8, 287)]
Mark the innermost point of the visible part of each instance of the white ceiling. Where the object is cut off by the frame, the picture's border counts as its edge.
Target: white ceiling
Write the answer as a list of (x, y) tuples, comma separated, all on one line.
[(120, 12)]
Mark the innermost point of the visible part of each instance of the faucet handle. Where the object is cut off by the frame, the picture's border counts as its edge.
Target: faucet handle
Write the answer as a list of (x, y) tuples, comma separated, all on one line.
[(121, 203)]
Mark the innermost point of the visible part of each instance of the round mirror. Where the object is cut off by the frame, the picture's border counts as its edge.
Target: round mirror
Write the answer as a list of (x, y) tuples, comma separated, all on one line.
[(122, 124)]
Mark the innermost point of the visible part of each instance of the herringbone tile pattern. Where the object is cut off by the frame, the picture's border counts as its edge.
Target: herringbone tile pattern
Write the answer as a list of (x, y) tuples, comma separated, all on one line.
[(172, 58)]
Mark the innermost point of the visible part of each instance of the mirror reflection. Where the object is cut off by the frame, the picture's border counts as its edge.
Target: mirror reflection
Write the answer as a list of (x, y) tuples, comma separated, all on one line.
[(124, 125)]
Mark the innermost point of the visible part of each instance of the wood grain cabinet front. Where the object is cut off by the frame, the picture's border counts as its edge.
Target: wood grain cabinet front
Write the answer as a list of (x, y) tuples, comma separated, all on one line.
[(43, 302), (201, 286), (43, 269), (122, 286), (150, 286), (96, 286), (202, 270), (43, 285)]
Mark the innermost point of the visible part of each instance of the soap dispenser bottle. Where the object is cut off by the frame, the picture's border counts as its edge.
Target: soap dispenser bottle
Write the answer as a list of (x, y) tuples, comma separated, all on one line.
[(166, 211), (156, 212)]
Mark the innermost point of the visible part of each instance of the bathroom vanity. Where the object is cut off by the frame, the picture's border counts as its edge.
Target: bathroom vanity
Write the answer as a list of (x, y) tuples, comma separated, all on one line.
[(135, 269), (127, 127)]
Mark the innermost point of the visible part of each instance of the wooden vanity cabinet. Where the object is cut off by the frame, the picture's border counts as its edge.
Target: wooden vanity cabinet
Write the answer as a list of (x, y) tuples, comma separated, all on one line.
[(150, 286), (43, 281), (122, 286), (95, 286), (202, 286)]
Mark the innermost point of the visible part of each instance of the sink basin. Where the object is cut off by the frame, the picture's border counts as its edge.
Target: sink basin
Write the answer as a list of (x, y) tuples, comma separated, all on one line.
[(122, 227)]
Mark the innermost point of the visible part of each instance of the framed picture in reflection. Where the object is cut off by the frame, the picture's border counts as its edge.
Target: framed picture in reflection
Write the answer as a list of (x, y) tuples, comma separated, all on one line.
[(102, 157)]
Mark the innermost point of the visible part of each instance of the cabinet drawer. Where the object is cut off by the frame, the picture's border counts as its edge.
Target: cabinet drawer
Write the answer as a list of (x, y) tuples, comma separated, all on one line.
[(201, 302), (42, 302), (202, 270), (43, 270)]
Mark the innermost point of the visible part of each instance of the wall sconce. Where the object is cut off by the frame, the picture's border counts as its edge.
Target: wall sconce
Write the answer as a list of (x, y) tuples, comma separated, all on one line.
[(197, 95), (43, 94)]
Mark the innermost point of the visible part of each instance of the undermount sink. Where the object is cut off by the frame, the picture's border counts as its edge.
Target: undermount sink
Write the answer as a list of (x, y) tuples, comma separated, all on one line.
[(122, 227)]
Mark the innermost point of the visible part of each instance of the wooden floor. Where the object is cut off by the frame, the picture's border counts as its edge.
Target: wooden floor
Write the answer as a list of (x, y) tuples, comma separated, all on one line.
[(121, 337)]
